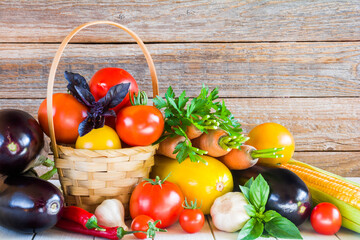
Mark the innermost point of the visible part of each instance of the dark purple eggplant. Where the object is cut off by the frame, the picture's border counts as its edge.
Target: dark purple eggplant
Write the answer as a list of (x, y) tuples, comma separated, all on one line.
[(29, 204), (21, 141), (289, 195)]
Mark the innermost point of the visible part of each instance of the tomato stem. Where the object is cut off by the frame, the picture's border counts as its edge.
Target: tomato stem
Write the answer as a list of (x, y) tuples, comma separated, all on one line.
[(157, 180), (192, 205)]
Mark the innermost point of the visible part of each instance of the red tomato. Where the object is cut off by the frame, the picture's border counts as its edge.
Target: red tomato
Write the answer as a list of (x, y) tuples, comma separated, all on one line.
[(106, 78), (68, 113), (191, 220), (326, 218), (162, 203), (141, 223), (139, 125)]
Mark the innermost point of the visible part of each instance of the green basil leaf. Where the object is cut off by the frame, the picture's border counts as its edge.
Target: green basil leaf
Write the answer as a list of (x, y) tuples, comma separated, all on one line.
[(247, 228), (262, 210), (250, 210), (280, 227), (249, 182), (246, 192), (270, 214), (266, 234), (255, 232), (259, 192)]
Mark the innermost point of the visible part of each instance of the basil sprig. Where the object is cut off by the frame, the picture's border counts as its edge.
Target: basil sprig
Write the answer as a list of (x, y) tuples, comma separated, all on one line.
[(261, 223)]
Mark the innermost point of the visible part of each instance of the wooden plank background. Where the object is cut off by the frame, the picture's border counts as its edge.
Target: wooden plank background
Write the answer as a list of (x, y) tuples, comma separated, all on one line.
[(292, 62)]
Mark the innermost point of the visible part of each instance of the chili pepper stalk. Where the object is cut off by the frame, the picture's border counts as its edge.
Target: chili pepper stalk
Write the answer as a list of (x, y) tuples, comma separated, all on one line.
[(84, 218), (109, 233)]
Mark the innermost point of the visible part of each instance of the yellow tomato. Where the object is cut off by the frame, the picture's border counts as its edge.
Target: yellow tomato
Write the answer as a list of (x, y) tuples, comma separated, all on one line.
[(270, 135), (204, 182), (99, 139)]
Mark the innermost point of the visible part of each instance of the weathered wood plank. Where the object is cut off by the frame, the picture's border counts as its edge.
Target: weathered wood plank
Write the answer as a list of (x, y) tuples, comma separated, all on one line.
[(346, 234), (182, 21), (240, 70), (318, 124), (345, 164), (9, 234), (59, 234), (322, 124)]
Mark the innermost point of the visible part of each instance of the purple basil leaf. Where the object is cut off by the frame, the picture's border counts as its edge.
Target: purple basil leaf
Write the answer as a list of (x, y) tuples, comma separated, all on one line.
[(99, 122), (86, 126), (115, 95), (85, 96), (76, 79), (109, 113)]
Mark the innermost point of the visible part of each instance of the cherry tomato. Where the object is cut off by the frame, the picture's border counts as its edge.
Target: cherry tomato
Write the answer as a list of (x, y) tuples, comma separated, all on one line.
[(161, 202), (99, 139), (270, 135), (141, 223), (106, 78), (326, 218), (68, 113), (192, 220), (139, 125)]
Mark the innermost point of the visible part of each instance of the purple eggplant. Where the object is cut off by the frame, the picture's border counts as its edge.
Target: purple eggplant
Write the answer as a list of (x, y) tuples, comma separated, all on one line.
[(29, 204), (21, 141), (288, 196)]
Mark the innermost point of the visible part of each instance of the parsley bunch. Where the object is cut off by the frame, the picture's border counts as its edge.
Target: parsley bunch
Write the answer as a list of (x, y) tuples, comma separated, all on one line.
[(203, 111), (263, 223)]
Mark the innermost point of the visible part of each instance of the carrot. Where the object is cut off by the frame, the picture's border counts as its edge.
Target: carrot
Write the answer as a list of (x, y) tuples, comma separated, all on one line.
[(167, 147), (192, 132), (217, 142), (247, 156)]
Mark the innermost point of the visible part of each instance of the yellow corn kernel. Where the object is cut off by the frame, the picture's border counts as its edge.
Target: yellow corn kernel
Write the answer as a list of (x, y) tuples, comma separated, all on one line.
[(338, 188)]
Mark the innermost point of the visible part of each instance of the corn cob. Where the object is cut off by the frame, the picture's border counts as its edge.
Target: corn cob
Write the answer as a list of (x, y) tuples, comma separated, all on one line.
[(328, 187)]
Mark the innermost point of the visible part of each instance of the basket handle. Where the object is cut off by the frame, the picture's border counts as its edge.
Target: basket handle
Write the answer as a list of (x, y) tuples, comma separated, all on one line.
[(55, 64)]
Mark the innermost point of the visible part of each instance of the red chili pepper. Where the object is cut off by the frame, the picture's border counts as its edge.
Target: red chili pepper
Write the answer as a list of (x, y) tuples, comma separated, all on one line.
[(109, 233), (81, 216)]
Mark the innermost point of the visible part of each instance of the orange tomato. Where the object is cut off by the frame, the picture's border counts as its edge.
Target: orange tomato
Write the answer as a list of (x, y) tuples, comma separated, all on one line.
[(270, 135), (68, 113)]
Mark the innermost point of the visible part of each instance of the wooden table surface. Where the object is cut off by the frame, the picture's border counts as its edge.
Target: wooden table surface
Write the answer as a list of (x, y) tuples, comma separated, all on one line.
[(175, 232)]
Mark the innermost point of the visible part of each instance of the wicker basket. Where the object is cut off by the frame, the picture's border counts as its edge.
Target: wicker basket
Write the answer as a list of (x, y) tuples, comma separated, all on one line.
[(88, 177)]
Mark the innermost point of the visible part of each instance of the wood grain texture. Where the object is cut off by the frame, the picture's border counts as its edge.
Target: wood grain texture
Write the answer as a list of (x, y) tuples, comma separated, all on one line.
[(9, 234), (183, 21), (60, 234), (240, 70), (314, 129)]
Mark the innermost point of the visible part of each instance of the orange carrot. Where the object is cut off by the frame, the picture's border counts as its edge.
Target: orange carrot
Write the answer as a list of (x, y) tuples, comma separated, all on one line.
[(210, 142), (247, 156), (167, 147), (192, 132)]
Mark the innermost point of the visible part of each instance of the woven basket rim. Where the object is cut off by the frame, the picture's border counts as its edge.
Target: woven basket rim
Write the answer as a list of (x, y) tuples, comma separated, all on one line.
[(105, 152)]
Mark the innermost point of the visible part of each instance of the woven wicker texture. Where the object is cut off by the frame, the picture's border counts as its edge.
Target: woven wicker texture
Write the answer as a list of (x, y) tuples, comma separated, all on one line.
[(88, 177), (91, 176)]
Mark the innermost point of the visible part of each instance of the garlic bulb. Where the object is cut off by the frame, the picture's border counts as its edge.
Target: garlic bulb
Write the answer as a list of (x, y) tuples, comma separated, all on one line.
[(110, 213), (228, 212)]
